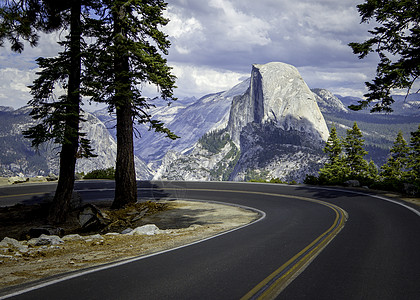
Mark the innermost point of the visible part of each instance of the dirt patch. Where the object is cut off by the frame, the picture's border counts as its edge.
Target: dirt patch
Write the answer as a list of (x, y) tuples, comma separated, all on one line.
[(181, 222)]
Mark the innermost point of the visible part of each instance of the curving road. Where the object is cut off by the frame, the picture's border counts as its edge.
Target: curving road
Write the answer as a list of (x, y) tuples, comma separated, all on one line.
[(374, 256)]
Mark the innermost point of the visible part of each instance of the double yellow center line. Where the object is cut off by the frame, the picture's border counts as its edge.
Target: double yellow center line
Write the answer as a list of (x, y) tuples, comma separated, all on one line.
[(276, 282)]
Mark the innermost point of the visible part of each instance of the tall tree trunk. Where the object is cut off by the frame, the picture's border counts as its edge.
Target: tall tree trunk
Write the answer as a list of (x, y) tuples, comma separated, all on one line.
[(63, 193), (125, 173)]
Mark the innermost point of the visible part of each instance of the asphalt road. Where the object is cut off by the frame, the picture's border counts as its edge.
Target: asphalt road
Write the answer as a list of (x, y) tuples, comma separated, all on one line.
[(375, 255)]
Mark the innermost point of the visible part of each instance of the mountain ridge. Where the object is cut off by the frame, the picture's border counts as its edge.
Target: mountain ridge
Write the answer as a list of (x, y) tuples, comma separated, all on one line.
[(223, 135)]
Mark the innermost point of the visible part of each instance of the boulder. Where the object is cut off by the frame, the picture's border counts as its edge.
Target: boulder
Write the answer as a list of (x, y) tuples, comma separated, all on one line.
[(72, 237), (127, 231), (17, 179), (37, 179), (148, 229), (9, 242), (52, 177), (91, 217), (46, 240), (94, 237), (13, 244)]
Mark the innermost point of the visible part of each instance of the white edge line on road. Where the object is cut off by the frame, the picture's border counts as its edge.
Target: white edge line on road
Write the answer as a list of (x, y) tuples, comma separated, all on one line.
[(414, 210), (369, 195), (130, 260)]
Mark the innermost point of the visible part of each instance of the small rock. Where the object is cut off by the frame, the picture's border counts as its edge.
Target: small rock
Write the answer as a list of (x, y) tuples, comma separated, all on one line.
[(91, 216), (17, 179), (7, 242), (37, 179), (94, 237), (52, 177), (127, 231), (72, 237), (112, 234), (149, 229), (46, 240)]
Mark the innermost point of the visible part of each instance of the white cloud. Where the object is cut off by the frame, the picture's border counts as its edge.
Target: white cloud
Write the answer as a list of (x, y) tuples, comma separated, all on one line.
[(215, 42), (178, 28), (13, 86), (239, 26), (198, 81), (185, 33)]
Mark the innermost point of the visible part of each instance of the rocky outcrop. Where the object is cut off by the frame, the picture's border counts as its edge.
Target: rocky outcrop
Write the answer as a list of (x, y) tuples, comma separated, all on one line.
[(18, 158), (275, 129), (328, 102), (278, 95), (190, 120), (206, 162)]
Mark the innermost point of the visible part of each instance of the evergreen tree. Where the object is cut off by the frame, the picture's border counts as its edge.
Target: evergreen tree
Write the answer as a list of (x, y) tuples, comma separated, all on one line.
[(396, 166), (58, 120), (334, 170), (353, 146), (22, 20), (125, 60), (396, 39), (372, 172), (333, 146), (414, 157)]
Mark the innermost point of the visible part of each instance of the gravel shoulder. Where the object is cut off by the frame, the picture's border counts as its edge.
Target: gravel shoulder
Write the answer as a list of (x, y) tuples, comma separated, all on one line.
[(183, 223)]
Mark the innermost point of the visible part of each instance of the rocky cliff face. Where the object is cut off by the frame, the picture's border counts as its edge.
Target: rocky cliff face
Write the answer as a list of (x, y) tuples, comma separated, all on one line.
[(328, 102), (278, 95), (276, 124), (190, 120), (18, 158), (105, 148)]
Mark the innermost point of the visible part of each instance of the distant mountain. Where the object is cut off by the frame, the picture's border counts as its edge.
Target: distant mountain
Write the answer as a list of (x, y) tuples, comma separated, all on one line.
[(348, 100), (328, 102), (270, 125), (17, 156), (405, 105), (275, 128), (189, 119)]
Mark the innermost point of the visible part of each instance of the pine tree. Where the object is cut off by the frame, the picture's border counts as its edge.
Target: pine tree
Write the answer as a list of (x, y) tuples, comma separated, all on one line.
[(396, 166), (57, 120), (414, 157), (333, 146), (333, 171), (354, 150), (127, 59), (372, 172), (395, 38)]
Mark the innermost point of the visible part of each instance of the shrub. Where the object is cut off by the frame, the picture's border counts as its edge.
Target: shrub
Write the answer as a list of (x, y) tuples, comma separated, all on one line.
[(101, 174), (311, 179)]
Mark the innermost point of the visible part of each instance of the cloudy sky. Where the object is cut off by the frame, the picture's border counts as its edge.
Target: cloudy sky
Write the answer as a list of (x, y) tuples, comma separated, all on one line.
[(215, 42)]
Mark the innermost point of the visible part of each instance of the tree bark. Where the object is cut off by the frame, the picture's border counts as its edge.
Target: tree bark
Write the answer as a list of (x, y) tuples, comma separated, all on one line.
[(63, 193), (125, 173)]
